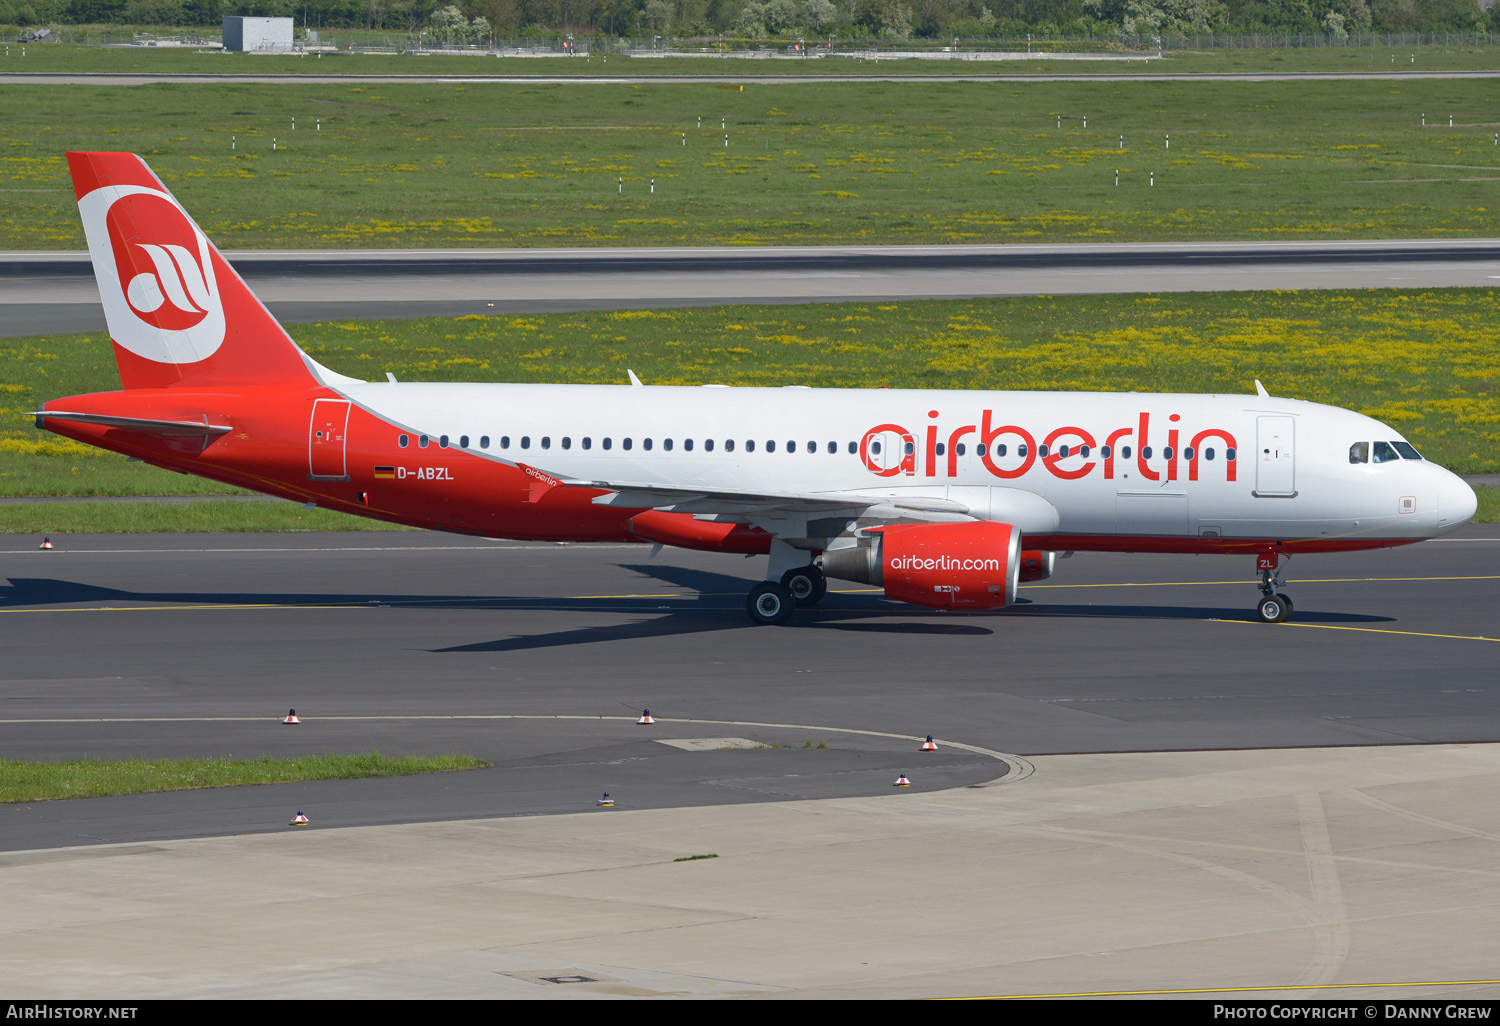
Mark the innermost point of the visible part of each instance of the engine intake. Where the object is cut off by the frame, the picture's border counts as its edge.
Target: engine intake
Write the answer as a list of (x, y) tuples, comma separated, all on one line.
[(946, 566)]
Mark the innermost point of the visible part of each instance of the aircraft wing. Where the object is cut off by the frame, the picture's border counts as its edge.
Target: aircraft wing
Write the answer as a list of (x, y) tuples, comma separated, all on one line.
[(733, 504)]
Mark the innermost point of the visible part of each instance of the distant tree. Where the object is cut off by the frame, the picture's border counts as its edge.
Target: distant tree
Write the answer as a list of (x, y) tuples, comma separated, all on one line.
[(889, 19)]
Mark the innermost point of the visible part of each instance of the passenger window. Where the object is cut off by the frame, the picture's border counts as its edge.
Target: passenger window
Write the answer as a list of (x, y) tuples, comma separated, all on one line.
[(403, 441), (749, 445), (646, 444), (853, 448), (911, 448), (484, 441), (1104, 451), (980, 449), (1020, 450), (463, 441), (526, 441), (875, 448), (588, 443), (770, 446), (1359, 452), (959, 448), (939, 449), (833, 448), (729, 445), (1385, 452), (607, 442), (1145, 452), (1083, 451), (1124, 452), (666, 444), (567, 442), (422, 441), (1229, 455), (546, 441), (1406, 451), (1166, 452), (1187, 452), (1062, 450), (505, 441), (791, 447), (708, 445), (442, 441), (1208, 454), (687, 444), (626, 444), (1041, 450)]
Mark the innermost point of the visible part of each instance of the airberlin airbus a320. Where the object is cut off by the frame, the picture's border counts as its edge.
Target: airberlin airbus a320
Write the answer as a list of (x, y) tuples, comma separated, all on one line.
[(945, 499)]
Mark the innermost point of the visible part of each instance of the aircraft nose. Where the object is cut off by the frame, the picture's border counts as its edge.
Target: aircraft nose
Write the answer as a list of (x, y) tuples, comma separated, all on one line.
[(1457, 503)]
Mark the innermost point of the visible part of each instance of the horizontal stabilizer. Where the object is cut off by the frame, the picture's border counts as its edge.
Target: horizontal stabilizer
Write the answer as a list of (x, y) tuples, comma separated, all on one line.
[(150, 427)]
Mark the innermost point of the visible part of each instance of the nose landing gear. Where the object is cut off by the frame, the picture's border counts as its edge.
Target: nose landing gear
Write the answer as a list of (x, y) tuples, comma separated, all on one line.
[(1274, 607)]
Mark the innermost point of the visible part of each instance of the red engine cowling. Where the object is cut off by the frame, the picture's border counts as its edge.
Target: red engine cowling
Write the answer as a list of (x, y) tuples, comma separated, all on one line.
[(1037, 565), (973, 565)]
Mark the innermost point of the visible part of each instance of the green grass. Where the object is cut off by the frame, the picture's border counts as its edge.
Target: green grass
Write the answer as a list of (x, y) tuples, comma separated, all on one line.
[(75, 58), (93, 778), (424, 165), (1489, 506), (200, 517), (1425, 360)]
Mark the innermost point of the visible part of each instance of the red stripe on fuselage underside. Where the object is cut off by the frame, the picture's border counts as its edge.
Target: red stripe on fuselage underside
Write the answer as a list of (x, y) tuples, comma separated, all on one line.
[(1203, 546)]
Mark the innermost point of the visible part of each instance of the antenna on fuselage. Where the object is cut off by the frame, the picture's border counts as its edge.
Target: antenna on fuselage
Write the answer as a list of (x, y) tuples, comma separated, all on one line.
[(635, 382), (1260, 390)]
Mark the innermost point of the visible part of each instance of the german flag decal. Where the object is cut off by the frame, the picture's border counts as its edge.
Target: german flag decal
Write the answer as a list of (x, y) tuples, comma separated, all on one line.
[(389, 472)]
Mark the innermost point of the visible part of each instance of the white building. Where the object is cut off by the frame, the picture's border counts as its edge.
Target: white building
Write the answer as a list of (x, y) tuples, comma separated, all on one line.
[(254, 34)]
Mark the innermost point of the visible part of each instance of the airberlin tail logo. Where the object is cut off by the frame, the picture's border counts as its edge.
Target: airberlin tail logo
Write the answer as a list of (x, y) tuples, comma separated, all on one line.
[(155, 273)]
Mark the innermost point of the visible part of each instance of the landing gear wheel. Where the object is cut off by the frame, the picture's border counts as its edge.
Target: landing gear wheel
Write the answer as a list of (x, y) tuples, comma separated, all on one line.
[(806, 583), (1285, 600), (1272, 609), (770, 604)]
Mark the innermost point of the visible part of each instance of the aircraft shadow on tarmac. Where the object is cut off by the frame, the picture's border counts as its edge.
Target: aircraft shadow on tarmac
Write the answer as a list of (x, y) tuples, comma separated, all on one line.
[(718, 606)]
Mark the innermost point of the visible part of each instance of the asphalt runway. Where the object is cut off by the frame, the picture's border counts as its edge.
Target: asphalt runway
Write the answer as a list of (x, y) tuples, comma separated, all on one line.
[(540, 658), (42, 293)]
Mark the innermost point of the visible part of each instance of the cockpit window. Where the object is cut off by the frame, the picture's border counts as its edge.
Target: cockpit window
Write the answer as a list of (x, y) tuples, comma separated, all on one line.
[(1359, 452), (1406, 450), (1384, 452)]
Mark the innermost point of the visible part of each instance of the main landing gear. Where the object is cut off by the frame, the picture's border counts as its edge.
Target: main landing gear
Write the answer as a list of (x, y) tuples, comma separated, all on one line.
[(772, 603), (1274, 606)]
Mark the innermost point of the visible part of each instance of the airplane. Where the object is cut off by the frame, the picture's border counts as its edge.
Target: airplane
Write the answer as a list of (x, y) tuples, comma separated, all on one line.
[(947, 499)]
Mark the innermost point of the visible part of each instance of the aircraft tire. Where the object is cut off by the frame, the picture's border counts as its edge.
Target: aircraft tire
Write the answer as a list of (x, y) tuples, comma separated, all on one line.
[(770, 604), (807, 585), (1272, 609)]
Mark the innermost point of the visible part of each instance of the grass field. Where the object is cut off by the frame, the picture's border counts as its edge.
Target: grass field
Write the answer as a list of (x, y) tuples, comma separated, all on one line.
[(93, 778), (414, 165), (76, 58)]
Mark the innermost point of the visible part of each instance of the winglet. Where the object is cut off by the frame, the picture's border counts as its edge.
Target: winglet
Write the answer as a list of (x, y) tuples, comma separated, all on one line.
[(635, 382), (1260, 390)]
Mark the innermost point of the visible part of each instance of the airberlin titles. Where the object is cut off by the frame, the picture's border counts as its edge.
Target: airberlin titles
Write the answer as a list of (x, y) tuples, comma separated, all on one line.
[(1068, 452)]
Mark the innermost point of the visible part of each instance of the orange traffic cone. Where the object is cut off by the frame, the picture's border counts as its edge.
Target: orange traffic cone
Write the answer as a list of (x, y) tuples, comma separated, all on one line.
[(901, 781), (645, 717), (292, 717), (46, 543), (605, 802), (298, 820), (929, 745)]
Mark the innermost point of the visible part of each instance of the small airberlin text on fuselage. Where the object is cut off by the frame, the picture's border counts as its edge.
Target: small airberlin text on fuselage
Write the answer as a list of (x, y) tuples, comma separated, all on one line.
[(1010, 451)]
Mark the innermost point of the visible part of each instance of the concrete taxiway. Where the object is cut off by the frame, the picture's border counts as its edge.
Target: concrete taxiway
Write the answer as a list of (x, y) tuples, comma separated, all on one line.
[(55, 292), (1309, 805)]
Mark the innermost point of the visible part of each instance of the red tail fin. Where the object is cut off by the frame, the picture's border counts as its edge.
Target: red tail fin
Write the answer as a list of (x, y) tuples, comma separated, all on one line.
[(177, 312)]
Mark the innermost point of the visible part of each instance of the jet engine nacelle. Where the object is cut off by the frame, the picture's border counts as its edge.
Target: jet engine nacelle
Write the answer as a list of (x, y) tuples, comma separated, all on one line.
[(948, 566), (1037, 565)]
